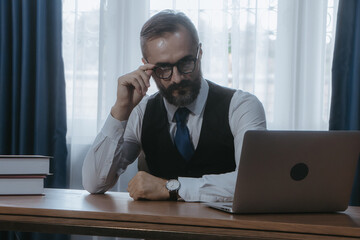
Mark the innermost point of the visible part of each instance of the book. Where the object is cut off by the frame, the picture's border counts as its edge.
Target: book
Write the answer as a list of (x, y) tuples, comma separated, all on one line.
[(24, 164), (22, 184)]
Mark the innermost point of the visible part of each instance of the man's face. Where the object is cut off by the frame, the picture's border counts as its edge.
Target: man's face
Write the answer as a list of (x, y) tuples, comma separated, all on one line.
[(175, 52)]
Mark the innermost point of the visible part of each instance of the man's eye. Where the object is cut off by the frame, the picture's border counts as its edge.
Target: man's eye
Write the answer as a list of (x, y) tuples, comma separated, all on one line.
[(186, 64), (186, 61), (189, 62)]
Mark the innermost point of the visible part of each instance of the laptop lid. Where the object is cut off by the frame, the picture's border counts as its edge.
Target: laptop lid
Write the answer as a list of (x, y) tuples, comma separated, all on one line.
[(296, 171)]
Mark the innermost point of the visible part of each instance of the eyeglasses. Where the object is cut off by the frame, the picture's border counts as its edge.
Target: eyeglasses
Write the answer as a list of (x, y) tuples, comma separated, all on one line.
[(184, 66)]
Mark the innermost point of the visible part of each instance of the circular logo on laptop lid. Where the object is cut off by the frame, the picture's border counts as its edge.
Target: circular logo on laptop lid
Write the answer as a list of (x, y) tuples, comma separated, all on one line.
[(299, 171)]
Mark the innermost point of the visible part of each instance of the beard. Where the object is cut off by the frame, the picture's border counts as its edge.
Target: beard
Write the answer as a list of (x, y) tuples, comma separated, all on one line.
[(181, 94)]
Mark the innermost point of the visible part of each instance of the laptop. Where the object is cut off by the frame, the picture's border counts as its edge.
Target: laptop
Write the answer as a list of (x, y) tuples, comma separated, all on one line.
[(294, 171)]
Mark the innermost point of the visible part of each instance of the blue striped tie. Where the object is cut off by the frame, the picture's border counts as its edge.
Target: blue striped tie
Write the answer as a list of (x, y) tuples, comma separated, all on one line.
[(182, 137)]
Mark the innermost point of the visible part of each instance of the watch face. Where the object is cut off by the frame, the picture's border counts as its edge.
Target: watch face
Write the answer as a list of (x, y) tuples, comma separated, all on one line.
[(172, 185)]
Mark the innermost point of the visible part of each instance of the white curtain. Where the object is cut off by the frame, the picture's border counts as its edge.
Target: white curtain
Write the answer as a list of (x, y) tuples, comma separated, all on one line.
[(100, 43), (304, 49), (279, 50)]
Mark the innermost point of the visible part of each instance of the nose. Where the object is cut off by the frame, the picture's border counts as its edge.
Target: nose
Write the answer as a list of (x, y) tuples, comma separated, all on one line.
[(176, 75)]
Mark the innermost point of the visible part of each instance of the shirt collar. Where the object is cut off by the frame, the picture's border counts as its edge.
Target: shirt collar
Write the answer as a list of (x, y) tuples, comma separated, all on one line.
[(196, 107)]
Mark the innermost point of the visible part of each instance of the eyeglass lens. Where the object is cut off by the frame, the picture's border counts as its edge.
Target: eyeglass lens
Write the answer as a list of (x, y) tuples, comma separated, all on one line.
[(183, 66)]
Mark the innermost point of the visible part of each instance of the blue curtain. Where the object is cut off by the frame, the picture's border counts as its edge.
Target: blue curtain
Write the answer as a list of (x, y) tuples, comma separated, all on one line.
[(32, 85), (345, 102)]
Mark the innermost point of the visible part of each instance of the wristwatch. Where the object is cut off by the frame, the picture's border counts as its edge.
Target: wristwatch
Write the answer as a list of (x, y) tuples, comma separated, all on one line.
[(173, 186)]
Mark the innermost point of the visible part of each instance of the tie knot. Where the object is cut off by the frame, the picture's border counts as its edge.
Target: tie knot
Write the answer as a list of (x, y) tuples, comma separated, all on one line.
[(181, 114)]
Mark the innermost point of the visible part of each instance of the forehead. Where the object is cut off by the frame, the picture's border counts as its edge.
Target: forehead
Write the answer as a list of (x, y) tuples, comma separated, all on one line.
[(170, 47)]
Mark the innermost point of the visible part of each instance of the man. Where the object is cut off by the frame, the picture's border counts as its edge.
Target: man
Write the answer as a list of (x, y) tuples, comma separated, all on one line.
[(191, 132)]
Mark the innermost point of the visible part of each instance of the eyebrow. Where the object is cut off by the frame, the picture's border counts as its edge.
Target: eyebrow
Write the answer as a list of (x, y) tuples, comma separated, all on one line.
[(169, 64)]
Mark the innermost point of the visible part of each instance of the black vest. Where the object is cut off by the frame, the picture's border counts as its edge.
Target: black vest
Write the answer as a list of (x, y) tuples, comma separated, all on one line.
[(215, 151)]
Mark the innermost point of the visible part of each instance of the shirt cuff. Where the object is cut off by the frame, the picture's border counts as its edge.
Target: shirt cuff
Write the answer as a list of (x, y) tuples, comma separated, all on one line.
[(113, 128), (201, 190), (189, 190)]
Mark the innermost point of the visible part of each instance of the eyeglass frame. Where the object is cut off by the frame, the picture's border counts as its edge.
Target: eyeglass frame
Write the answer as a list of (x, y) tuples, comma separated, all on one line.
[(176, 64)]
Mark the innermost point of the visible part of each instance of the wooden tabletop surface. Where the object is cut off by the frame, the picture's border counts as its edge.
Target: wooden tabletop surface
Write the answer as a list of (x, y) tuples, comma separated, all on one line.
[(116, 208)]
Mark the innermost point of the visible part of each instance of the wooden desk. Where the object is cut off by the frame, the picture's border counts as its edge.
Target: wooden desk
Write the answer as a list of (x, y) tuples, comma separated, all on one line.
[(116, 214)]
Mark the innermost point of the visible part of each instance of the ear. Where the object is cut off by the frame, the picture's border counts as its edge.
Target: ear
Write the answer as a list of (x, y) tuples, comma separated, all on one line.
[(144, 60)]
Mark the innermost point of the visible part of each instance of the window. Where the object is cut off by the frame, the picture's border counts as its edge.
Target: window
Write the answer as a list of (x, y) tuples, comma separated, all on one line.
[(279, 50)]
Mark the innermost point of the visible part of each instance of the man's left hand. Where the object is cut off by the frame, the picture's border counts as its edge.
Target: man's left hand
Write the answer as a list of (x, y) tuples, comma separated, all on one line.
[(147, 186)]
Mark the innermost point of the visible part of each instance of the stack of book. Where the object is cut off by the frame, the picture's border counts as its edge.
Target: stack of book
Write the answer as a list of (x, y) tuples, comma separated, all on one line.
[(23, 174)]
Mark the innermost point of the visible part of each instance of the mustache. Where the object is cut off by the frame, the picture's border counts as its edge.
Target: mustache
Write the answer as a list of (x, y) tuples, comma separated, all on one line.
[(180, 85)]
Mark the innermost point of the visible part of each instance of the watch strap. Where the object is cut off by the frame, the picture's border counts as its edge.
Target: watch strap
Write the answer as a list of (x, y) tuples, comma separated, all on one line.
[(173, 195)]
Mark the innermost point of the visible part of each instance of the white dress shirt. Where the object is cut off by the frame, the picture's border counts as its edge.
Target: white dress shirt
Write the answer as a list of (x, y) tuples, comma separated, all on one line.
[(119, 144)]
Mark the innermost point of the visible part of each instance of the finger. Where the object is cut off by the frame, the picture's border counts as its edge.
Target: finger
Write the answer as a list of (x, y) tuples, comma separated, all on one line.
[(149, 73), (142, 84), (146, 77), (147, 66), (147, 69), (135, 197), (130, 187), (135, 193), (132, 183), (132, 192), (135, 83)]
